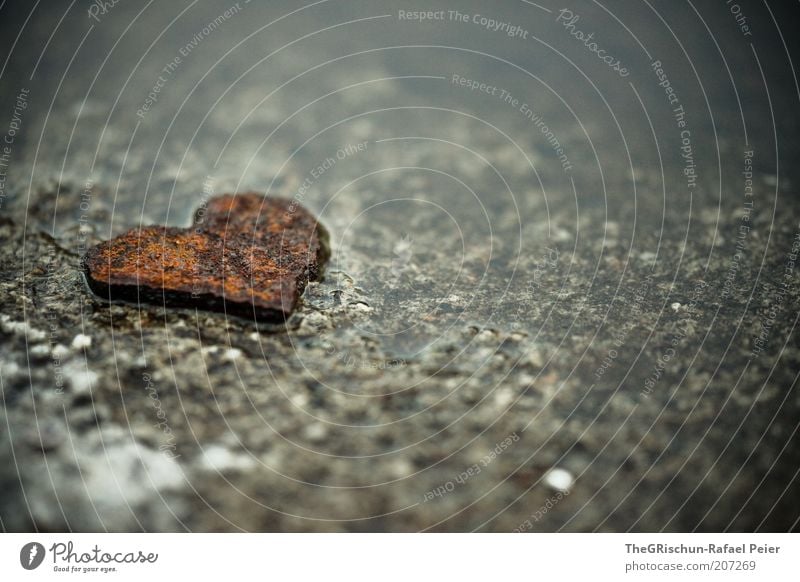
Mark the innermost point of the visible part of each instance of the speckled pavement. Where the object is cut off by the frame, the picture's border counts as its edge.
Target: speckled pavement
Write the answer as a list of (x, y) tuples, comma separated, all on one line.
[(562, 294)]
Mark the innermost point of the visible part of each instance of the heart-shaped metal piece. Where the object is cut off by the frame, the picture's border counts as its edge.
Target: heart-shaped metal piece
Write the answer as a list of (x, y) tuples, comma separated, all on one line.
[(245, 254)]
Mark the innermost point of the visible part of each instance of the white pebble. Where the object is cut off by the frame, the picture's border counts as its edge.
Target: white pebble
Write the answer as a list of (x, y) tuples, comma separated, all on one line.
[(300, 400), (81, 341), (22, 328), (219, 459), (675, 306), (8, 369), (80, 377), (60, 352), (40, 351), (536, 358), (360, 307), (486, 335), (232, 354), (503, 397), (559, 479), (647, 256), (401, 469), (316, 432), (562, 235)]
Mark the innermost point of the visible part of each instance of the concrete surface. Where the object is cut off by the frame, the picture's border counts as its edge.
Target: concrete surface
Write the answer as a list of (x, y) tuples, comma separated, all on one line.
[(596, 333)]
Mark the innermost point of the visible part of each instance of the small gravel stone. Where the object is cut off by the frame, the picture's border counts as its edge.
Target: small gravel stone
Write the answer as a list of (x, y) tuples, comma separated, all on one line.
[(81, 341), (559, 479)]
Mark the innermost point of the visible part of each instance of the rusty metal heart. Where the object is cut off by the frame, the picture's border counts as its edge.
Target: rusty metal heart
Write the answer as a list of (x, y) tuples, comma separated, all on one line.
[(245, 254)]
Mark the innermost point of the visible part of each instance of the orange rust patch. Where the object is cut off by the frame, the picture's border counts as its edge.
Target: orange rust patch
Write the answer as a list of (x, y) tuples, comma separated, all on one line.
[(245, 255)]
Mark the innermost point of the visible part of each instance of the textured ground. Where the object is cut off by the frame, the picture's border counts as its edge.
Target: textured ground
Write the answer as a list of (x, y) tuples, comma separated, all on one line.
[(622, 309)]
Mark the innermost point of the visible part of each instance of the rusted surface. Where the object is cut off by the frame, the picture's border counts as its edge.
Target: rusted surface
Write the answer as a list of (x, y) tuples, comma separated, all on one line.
[(245, 254)]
